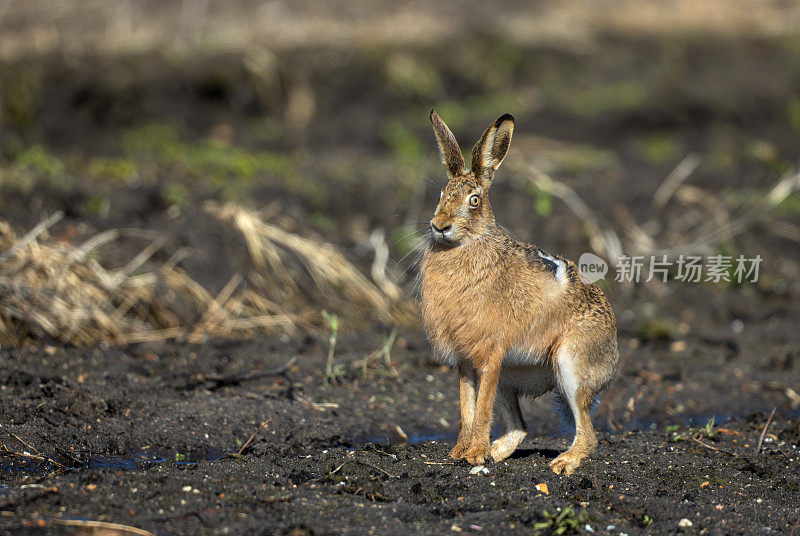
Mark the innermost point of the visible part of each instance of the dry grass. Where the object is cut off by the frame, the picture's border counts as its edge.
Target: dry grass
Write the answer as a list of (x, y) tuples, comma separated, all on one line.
[(291, 268), (50, 289)]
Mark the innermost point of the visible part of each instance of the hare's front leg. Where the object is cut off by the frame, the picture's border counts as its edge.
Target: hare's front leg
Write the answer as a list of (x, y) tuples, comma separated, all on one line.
[(487, 390), (466, 389)]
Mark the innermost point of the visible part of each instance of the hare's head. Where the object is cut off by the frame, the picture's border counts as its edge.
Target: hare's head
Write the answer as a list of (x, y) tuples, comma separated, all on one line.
[(463, 210)]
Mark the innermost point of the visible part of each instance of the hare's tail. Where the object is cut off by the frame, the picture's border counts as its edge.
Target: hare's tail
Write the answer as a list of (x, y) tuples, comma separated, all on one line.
[(565, 416)]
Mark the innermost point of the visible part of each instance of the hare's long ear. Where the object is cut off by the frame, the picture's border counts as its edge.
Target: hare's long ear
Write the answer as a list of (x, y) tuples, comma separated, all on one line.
[(451, 153), (491, 149)]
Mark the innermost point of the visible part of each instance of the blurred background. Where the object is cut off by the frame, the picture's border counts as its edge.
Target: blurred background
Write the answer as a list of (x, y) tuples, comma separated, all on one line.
[(192, 169)]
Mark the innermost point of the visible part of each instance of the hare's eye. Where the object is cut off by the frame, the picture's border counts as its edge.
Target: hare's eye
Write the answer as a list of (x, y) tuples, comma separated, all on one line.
[(473, 200)]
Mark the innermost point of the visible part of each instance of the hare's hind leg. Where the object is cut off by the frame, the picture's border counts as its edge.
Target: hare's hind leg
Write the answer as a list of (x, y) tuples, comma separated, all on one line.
[(582, 372), (467, 379), (514, 425)]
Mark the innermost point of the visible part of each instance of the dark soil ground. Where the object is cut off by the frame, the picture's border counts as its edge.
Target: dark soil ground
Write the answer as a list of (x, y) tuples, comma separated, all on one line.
[(148, 436), (246, 437)]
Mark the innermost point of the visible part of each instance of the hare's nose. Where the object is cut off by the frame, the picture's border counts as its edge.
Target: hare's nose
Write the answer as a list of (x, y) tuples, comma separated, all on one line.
[(442, 230)]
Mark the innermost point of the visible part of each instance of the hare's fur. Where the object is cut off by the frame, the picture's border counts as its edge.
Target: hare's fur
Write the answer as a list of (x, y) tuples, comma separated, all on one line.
[(513, 319)]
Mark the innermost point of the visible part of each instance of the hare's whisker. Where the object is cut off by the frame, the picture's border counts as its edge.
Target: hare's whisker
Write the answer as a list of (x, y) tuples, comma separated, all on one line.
[(412, 250), (415, 231)]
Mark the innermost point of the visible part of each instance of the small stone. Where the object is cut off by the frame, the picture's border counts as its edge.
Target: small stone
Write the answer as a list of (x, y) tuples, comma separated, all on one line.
[(684, 523), (677, 346), (479, 469)]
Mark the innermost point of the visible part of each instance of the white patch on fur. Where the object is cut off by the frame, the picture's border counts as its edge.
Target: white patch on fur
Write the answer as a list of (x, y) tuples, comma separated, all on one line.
[(446, 356), (569, 376), (520, 357), (568, 380), (561, 266)]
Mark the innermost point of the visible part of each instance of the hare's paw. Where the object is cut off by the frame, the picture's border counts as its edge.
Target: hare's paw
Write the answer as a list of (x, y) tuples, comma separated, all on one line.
[(477, 453), (458, 451), (462, 444), (567, 462), (505, 446)]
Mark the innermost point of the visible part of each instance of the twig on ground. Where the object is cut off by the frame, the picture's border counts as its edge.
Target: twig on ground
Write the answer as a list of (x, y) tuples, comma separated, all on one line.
[(37, 454), (332, 472), (706, 445), (26, 455), (15, 436), (764, 431), (379, 451), (368, 464), (319, 406), (252, 437), (439, 463), (101, 527)]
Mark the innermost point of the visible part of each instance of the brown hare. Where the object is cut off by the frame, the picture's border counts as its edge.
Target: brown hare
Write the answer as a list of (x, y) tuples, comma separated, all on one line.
[(513, 319)]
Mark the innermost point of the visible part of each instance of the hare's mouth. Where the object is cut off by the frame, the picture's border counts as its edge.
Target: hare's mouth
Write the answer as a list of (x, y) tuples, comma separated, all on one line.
[(445, 235), (445, 239)]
